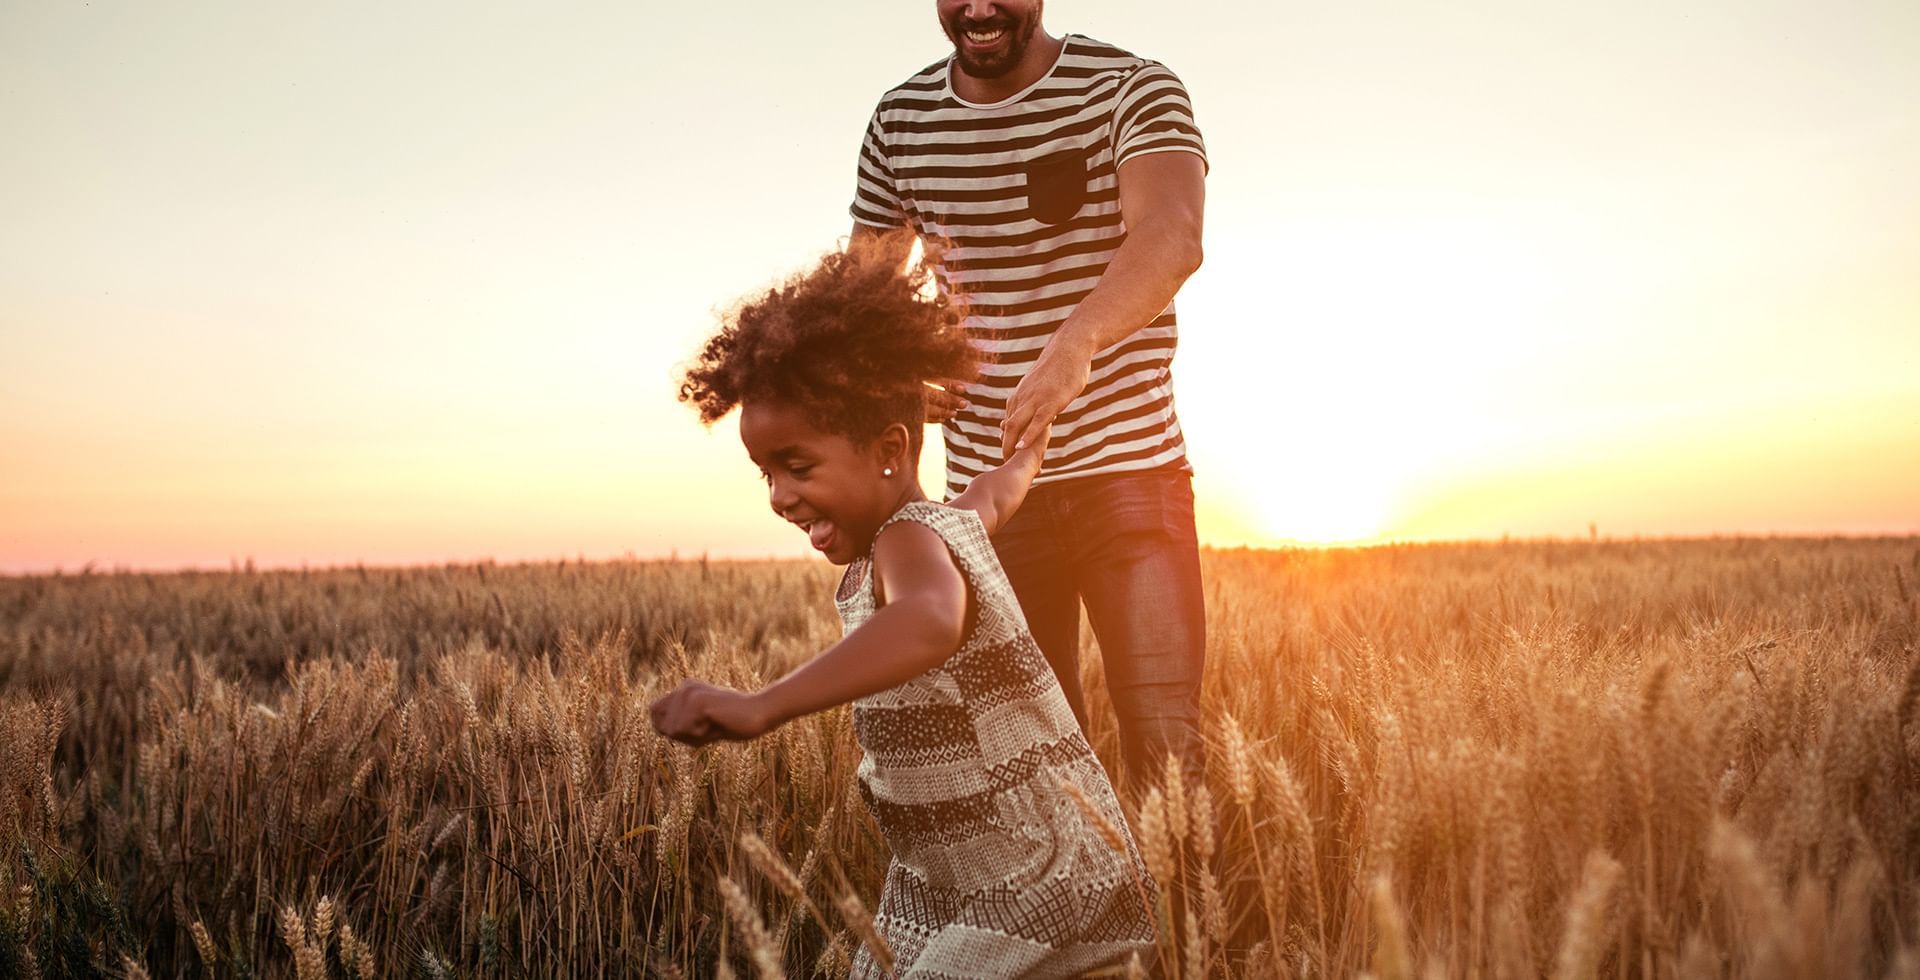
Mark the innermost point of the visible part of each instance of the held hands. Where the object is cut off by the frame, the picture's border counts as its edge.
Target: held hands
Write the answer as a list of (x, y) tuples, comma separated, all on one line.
[(1027, 461), (697, 713), (1056, 378)]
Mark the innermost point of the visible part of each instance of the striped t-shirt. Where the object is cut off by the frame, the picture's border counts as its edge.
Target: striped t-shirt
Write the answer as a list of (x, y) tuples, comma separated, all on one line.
[(1021, 202)]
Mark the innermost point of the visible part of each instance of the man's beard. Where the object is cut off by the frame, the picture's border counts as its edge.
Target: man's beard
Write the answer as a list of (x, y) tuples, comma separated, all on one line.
[(1019, 34)]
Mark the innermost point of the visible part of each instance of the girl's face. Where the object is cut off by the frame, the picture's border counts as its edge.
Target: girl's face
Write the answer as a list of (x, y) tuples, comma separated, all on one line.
[(830, 486)]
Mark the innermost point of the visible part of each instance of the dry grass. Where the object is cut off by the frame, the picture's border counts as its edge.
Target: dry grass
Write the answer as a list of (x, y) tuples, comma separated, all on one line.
[(1620, 759)]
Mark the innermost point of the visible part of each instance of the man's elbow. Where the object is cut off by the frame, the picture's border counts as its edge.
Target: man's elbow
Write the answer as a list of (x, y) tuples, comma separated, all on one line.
[(1183, 246)]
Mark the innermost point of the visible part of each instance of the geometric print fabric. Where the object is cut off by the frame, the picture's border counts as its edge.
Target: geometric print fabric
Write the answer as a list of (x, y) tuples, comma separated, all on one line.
[(995, 871)]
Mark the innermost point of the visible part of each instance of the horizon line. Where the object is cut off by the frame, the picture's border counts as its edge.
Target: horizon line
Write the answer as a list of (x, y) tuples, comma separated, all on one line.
[(248, 566)]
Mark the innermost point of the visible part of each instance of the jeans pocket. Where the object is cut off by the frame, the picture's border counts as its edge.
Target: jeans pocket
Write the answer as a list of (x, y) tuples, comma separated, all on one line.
[(1176, 511), (1057, 186), (1153, 503)]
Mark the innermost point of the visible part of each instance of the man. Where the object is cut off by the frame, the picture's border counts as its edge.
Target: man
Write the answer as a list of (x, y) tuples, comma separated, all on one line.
[(1058, 185)]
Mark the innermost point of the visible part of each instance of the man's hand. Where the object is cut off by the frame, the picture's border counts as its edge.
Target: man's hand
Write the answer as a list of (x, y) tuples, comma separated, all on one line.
[(1055, 379), (697, 713)]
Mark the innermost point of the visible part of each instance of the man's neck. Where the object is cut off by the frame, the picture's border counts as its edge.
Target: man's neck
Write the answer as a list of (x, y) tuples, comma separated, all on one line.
[(1040, 55)]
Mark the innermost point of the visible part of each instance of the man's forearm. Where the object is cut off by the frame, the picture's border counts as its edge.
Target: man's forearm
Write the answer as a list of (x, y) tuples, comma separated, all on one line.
[(1140, 280)]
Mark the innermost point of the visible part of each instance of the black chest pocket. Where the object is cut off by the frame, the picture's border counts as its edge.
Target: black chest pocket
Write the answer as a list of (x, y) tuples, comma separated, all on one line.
[(1057, 186)]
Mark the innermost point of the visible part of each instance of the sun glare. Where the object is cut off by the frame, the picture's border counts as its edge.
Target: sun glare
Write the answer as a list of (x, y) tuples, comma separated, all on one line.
[(1324, 516), (1368, 373), (1346, 503)]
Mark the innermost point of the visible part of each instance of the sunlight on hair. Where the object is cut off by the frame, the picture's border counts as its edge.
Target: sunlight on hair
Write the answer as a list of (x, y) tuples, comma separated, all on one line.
[(930, 291)]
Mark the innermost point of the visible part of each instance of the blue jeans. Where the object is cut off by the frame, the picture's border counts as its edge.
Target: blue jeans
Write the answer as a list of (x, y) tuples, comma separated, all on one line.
[(1125, 545)]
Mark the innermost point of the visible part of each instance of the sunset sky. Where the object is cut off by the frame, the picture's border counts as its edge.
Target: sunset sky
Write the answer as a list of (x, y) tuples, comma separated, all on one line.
[(409, 282)]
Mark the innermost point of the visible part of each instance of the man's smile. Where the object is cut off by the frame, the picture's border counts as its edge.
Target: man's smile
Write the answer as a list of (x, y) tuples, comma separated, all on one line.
[(982, 39)]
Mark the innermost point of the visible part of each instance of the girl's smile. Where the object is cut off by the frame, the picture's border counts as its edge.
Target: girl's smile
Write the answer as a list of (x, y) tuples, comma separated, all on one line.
[(836, 488), (819, 534)]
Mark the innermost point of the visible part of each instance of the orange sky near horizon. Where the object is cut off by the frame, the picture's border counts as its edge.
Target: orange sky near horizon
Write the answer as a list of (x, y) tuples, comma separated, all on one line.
[(409, 285)]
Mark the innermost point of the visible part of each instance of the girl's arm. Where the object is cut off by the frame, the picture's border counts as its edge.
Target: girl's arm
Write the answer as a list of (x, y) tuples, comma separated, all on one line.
[(918, 628), (998, 492)]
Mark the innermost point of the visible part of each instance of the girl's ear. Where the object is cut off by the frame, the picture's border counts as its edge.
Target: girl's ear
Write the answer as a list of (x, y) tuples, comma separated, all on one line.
[(892, 448)]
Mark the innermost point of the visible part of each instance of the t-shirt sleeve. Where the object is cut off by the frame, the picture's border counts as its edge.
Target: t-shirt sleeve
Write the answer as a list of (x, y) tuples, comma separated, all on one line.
[(876, 201), (1154, 115)]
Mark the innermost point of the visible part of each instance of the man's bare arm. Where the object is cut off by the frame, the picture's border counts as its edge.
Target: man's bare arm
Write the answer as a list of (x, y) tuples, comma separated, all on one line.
[(1163, 201)]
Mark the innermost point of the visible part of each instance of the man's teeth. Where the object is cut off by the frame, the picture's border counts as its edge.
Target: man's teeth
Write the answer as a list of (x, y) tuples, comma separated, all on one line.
[(984, 37)]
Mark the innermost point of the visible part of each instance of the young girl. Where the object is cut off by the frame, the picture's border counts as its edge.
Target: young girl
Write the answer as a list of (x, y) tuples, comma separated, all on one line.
[(968, 739)]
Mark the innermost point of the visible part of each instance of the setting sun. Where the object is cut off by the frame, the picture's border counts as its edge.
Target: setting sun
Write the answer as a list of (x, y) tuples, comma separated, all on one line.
[(1352, 511)]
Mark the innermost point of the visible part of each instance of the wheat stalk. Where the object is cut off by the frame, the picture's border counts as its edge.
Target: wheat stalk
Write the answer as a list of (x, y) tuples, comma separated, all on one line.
[(854, 912), (1392, 957), (1581, 943), (746, 919), (1175, 785), (1115, 841), (1156, 840), (203, 944)]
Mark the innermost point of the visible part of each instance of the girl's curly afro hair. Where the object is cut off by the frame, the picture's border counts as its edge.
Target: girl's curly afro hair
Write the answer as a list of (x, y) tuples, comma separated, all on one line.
[(852, 343)]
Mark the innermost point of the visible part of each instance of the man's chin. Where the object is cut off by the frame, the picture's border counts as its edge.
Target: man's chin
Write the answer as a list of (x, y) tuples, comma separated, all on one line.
[(993, 68)]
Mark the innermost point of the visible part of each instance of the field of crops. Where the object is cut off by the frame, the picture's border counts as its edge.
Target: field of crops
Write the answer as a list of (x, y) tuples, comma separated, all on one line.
[(1503, 760)]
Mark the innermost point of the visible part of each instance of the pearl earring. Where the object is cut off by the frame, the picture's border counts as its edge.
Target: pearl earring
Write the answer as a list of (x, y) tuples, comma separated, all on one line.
[(888, 471)]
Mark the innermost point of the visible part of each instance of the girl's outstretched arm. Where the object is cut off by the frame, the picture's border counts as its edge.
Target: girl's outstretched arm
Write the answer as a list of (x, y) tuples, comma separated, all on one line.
[(998, 492), (918, 628)]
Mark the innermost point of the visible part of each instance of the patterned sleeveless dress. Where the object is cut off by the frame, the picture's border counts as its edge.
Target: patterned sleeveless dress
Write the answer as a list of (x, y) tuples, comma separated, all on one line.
[(996, 871)]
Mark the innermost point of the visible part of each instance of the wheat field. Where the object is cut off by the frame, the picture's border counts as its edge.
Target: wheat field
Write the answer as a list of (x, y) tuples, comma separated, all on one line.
[(1592, 759)]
